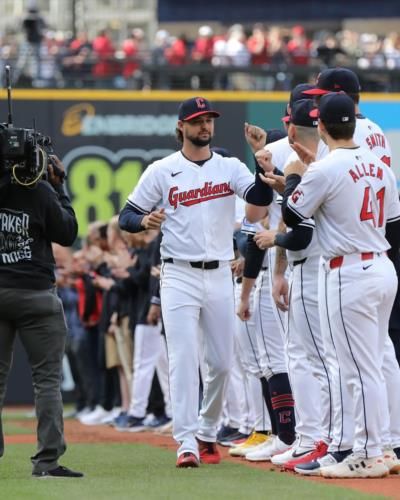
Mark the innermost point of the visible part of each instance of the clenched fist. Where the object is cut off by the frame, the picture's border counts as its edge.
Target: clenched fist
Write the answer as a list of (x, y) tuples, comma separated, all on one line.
[(255, 136), (264, 159)]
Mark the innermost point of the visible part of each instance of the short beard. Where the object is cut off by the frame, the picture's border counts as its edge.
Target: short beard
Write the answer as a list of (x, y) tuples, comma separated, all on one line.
[(199, 142)]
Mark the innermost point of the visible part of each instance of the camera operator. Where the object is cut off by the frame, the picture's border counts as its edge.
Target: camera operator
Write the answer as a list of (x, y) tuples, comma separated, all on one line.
[(31, 218)]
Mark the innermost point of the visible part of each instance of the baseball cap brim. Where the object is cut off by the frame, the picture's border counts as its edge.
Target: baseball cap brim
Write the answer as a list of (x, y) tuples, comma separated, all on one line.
[(199, 113), (316, 92)]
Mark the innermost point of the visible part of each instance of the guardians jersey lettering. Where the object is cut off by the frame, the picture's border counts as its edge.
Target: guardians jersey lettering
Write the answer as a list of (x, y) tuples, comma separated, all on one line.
[(194, 230), (194, 196)]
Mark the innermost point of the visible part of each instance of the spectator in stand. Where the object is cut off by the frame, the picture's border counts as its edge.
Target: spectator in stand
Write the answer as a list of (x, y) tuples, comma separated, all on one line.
[(33, 26), (350, 43), (103, 51), (52, 50), (159, 79), (238, 53), (257, 45), (177, 54), (327, 49), (77, 63), (220, 59), (132, 59), (277, 46), (202, 53), (372, 50), (391, 49), (299, 47)]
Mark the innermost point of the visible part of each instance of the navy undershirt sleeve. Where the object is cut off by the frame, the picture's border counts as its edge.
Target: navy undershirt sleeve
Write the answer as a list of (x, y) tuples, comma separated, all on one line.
[(297, 239), (290, 218), (130, 219), (260, 194), (253, 259)]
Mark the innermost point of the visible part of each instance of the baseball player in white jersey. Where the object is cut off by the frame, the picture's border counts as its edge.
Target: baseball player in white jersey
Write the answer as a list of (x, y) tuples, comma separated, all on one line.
[(269, 326), (367, 134), (193, 192), (244, 408), (304, 342), (360, 280)]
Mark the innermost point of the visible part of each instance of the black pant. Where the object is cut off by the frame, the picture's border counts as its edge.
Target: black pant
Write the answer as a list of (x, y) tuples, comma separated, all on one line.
[(38, 317)]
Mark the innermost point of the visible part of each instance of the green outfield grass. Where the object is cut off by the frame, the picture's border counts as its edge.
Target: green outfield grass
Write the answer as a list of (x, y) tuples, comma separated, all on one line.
[(133, 471)]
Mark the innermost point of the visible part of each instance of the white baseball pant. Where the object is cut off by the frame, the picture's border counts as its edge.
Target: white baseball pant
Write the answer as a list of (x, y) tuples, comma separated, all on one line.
[(191, 299), (308, 370), (358, 301)]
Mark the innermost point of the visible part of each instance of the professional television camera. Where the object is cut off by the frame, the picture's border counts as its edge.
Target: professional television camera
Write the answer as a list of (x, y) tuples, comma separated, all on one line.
[(24, 153)]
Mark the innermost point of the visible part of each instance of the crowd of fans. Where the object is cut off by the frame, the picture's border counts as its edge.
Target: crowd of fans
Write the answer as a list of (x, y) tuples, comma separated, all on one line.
[(115, 345), (48, 58)]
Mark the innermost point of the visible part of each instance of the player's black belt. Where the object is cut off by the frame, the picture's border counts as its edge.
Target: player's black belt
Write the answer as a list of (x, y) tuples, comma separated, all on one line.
[(298, 262), (213, 264)]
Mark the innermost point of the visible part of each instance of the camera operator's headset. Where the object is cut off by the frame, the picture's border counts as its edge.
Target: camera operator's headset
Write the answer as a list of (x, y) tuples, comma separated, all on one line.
[(31, 183)]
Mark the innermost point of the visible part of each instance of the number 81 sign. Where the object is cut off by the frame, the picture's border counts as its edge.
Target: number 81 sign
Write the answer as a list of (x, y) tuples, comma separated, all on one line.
[(99, 181)]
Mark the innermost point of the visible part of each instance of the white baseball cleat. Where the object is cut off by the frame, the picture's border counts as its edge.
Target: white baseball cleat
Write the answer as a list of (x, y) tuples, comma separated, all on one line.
[(357, 467), (266, 451), (293, 453), (254, 440), (391, 461)]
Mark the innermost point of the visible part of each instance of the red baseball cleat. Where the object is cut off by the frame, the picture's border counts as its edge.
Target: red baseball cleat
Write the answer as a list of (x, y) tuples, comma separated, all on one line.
[(321, 449), (209, 453), (186, 460)]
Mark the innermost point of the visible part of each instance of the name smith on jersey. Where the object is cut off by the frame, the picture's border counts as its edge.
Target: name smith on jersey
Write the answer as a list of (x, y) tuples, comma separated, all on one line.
[(198, 195)]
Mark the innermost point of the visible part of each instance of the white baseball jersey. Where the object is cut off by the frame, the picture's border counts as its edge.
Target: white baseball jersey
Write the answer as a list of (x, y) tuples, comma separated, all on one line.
[(369, 134), (351, 194), (280, 151), (199, 203), (313, 249)]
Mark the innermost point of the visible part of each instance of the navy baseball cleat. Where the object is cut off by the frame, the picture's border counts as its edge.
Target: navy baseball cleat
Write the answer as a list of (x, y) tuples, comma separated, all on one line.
[(60, 472)]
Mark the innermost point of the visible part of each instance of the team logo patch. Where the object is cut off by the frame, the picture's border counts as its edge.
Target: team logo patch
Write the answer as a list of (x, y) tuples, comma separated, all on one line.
[(199, 195), (297, 196)]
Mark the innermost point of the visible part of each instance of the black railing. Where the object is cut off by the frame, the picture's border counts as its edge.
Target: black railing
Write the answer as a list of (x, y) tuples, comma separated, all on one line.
[(53, 73)]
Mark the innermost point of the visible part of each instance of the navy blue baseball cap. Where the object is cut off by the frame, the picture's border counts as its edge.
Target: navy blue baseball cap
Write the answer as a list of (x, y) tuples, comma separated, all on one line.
[(335, 80), (275, 134), (301, 114), (335, 108), (196, 106), (296, 94)]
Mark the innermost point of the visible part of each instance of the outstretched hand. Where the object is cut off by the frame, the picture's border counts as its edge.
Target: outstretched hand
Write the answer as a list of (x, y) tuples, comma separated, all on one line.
[(276, 182), (305, 155), (265, 239)]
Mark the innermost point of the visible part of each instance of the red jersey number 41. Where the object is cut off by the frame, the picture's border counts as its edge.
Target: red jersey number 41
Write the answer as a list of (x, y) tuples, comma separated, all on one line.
[(366, 210)]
